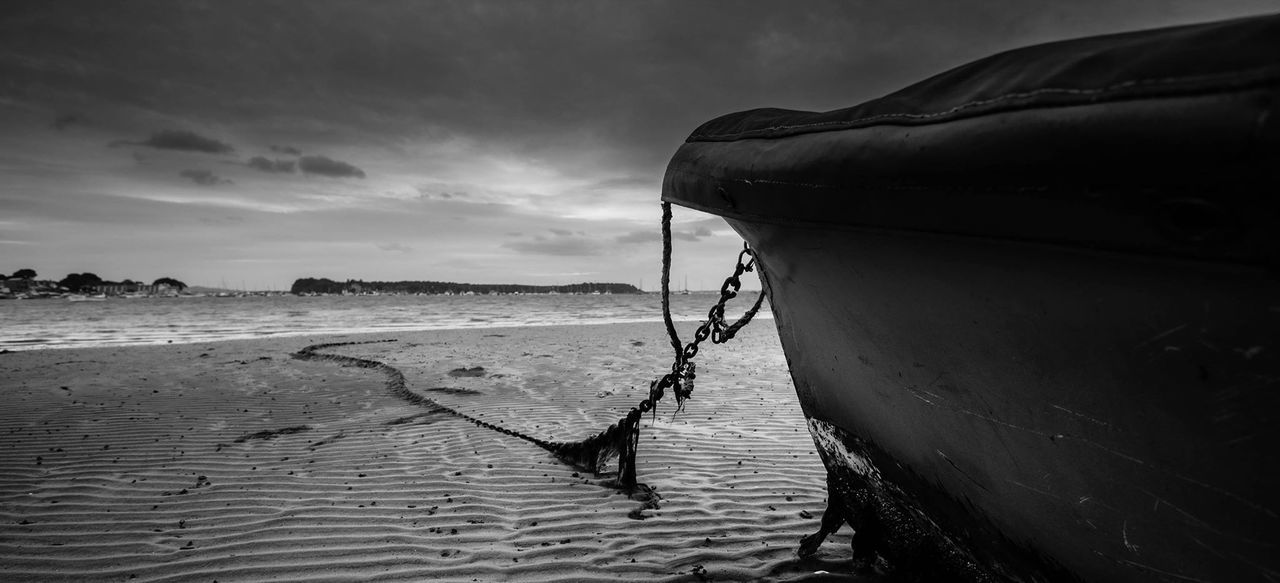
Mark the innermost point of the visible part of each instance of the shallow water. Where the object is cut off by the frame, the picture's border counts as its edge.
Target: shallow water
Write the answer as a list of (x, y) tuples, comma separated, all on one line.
[(26, 324)]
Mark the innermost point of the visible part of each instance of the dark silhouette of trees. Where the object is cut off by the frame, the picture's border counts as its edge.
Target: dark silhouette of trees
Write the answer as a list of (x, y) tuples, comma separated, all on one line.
[(170, 282), (322, 285), (79, 281)]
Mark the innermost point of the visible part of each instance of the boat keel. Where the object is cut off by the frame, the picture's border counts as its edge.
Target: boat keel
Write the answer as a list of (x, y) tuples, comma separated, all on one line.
[(885, 524)]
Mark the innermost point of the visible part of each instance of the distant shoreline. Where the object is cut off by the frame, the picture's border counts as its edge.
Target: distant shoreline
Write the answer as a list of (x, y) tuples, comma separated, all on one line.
[(326, 286), (57, 324)]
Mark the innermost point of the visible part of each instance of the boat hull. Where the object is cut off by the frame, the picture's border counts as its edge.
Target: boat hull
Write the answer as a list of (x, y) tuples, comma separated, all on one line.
[(1042, 412)]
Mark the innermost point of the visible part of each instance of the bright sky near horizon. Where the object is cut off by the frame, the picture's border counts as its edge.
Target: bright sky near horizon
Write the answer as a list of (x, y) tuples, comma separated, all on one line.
[(253, 143)]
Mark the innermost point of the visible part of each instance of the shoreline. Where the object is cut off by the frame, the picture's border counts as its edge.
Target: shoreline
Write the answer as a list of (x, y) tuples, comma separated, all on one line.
[(124, 461), (127, 334), (356, 332)]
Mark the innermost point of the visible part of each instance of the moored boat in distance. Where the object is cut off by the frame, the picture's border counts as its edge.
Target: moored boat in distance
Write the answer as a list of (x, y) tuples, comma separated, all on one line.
[(1031, 306)]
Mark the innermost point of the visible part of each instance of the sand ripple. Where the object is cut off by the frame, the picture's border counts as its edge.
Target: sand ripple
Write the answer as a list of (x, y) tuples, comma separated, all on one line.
[(123, 464)]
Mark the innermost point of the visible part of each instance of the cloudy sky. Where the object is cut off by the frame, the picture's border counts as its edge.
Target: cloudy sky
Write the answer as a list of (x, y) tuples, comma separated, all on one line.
[(253, 143)]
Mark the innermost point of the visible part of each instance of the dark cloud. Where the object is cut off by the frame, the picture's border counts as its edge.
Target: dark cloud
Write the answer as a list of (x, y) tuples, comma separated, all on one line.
[(329, 167), (266, 165), (289, 150), (204, 177), (649, 236), (560, 247), (563, 243), (648, 182), (622, 81), (181, 140), (634, 237), (395, 247), (435, 192), (686, 235), (65, 121)]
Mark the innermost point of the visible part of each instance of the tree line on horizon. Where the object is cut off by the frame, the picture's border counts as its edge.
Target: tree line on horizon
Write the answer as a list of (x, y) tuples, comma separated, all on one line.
[(324, 285), (77, 282)]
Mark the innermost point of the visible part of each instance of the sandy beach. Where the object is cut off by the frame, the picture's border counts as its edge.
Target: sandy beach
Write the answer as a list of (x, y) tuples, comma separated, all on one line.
[(232, 461)]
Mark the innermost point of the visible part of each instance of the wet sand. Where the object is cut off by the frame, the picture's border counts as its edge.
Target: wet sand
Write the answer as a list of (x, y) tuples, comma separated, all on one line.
[(232, 461)]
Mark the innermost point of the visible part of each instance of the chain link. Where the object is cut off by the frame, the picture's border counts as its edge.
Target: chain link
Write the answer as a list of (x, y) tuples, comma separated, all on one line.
[(715, 327)]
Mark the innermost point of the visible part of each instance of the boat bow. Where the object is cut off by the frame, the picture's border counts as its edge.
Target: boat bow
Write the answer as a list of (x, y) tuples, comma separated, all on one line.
[(1030, 304)]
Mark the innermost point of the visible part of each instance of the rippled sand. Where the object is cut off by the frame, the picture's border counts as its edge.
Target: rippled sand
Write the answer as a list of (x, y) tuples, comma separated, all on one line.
[(231, 461)]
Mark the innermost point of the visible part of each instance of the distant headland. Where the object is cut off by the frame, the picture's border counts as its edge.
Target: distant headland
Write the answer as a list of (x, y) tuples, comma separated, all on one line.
[(325, 286), (23, 284)]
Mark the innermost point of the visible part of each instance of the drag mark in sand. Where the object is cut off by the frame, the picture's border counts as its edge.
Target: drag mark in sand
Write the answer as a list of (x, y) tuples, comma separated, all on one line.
[(587, 455), (396, 384), (271, 433)]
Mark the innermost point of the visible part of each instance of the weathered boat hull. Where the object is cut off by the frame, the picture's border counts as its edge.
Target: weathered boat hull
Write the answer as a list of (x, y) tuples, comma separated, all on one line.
[(1031, 305), (1059, 413)]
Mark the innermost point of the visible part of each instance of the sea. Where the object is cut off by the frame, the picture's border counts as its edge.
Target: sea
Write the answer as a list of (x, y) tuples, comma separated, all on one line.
[(59, 323)]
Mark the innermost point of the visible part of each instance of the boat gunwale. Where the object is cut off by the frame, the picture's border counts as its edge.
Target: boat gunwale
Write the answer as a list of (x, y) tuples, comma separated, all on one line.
[(1088, 70), (1233, 82)]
